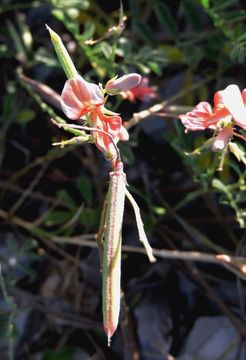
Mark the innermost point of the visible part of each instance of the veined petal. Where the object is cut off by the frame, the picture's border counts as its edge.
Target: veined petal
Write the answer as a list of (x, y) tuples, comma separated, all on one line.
[(234, 103), (222, 139), (111, 125), (218, 101), (199, 118), (79, 97), (123, 134)]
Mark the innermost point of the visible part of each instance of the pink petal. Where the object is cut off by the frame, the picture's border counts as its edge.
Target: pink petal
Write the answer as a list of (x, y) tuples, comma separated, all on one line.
[(123, 134), (142, 91), (234, 103), (222, 139), (199, 118), (113, 126), (244, 96), (79, 97), (123, 83), (218, 101)]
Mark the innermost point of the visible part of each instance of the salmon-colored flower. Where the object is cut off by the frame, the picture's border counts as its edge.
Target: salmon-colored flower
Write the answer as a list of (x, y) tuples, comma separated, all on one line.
[(229, 105), (229, 110), (142, 91), (79, 98)]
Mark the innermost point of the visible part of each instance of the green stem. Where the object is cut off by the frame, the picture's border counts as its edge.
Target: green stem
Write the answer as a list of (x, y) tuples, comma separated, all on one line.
[(12, 306)]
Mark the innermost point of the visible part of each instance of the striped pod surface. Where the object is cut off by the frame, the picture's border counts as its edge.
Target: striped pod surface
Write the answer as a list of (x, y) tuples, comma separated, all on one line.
[(112, 249)]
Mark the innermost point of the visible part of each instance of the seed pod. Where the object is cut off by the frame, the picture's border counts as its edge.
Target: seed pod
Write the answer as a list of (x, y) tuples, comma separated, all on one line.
[(112, 250), (62, 54)]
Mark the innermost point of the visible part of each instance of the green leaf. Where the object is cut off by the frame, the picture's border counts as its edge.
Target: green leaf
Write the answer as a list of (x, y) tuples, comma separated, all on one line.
[(218, 185), (25, 31), (19, 46), (89, 217), (66, 353), (89, 30), (192, 14), (205, 3), (58, 218), (25, 116), (166, 19), (155, 67), (145, 32), (106, 49), (159, 210), (64, 196), (85, 187)]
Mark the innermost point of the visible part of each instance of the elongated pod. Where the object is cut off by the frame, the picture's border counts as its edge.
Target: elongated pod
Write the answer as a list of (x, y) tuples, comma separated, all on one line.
[(112, 250), (62, 54)]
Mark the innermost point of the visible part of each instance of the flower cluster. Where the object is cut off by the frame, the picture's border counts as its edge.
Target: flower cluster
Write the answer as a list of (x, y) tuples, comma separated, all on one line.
[(229, 110), (81, 98)]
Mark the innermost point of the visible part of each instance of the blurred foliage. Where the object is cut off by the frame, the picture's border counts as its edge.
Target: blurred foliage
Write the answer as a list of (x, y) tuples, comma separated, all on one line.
[(52, 195)]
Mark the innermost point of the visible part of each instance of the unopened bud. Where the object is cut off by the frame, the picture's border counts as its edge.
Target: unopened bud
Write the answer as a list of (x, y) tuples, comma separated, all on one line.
[(123, 83), (222, 139)]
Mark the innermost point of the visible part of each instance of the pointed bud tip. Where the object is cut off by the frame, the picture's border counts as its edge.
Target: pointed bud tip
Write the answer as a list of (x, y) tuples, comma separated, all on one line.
[(54, 36)]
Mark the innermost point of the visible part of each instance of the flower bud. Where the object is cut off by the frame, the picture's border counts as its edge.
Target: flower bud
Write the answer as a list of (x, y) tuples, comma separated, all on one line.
[(122, 84), (222, 139)]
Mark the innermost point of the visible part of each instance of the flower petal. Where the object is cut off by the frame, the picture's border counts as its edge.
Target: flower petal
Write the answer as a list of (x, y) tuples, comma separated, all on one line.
[(199, 118), (79, 97), (234, 103), (142, 91), (222, 139), (244, 96), (123, 83), (218, 101)]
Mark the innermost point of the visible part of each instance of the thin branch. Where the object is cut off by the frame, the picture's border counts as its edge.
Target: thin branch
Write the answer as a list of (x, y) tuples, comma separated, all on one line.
[(137, 117), (140, 226), (235, 264)]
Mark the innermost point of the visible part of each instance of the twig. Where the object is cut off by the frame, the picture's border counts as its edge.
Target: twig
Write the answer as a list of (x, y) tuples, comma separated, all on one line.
[(140, 226), (27, 192), (48, 94), (235, 264), (137, 117)]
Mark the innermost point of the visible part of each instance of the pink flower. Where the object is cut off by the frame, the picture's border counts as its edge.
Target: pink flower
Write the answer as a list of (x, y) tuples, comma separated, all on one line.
[(79, 98), (229, 109), (229, 104), (123, 83), (111, 124), (142, 91)]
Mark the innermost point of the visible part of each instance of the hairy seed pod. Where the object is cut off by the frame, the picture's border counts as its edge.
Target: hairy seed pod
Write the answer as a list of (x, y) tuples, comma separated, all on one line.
[(112, 250)]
